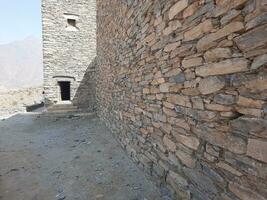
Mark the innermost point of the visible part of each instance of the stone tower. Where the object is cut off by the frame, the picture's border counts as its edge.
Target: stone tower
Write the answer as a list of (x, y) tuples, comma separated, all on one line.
[(69, 49)]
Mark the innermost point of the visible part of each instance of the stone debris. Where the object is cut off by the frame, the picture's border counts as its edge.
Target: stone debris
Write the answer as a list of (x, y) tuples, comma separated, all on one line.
[(60, 196)]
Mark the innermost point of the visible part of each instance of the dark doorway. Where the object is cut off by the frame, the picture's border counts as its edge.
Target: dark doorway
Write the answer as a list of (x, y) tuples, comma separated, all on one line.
[(64, 90)]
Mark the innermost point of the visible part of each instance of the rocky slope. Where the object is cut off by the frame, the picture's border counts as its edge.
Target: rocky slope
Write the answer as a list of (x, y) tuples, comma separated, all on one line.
[(21, 75), (14, 101)]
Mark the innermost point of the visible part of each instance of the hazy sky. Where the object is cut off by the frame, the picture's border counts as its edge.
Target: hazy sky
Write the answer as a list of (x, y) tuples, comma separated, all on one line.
[(19, 19)]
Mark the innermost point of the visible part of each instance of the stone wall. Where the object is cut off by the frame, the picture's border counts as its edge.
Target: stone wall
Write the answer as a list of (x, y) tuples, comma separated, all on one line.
[(69, 51), (183, 86)]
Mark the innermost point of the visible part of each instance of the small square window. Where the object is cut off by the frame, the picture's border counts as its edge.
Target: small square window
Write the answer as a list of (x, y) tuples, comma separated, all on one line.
[(71, 22)]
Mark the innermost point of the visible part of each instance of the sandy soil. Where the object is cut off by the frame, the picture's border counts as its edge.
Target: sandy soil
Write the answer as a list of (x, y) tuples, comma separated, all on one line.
[(45, 157)]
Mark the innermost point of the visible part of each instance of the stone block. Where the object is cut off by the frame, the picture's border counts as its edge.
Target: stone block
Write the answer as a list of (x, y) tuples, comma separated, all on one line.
[(209, 157), (176, 88), (257, 149), (175, 24), (164, 87), (192, 62), (172, 159), (260, 19), (224, 99), (217, 54), (218, 107), (257, 83), (197, 115), (208, 40), (190, 92), (251, 103), (249, 111), (177, 8), (179, 100), (201, 186), (146, 91), (259, 61), (191, 9), (159, 117), (143, 131), (228, 168), (169, 144), (210, 172), (252, 39), (179, 180), (253, 126), (189, 141), (244, 193), (181, 123), (173, 72), (154, 90), (189, 75), (230, 16), (197, 103), (166, 127), (213, 150), (202, 10), (149, 38), (168, 105), (225, 5), (169, 112), (247, 164), (211, 85), (229, 66), (180, 78), (225, 140), (198, 30), (171, 47), (187, 159)]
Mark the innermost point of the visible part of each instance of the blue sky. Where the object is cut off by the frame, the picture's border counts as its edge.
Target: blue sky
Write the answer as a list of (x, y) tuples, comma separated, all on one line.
[(20, 19)]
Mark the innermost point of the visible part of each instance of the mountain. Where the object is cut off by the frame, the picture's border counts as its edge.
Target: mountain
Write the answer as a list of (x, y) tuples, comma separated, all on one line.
[(21, 64)]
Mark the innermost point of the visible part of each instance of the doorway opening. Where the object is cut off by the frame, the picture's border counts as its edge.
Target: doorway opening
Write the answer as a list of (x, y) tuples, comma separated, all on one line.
[(64, 87)]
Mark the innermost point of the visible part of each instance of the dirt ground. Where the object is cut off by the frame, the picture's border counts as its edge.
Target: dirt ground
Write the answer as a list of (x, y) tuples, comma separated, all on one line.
[(46, 157)]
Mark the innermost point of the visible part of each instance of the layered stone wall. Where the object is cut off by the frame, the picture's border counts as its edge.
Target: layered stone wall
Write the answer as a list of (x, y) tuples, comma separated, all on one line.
[(183, 85), (69, 51)]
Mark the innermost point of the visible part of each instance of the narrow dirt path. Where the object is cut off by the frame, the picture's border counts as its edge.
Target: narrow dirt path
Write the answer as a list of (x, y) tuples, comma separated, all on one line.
[(72, 158)]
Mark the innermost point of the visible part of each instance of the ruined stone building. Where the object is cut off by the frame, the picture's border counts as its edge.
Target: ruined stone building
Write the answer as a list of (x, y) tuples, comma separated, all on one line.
[(182, 84)]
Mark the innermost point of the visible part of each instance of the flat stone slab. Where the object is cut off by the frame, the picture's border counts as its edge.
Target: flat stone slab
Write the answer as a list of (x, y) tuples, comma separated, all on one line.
[(73, 157)]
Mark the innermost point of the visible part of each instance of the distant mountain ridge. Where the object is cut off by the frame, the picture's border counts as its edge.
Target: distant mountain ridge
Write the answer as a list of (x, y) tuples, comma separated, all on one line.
[(21, 64)]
